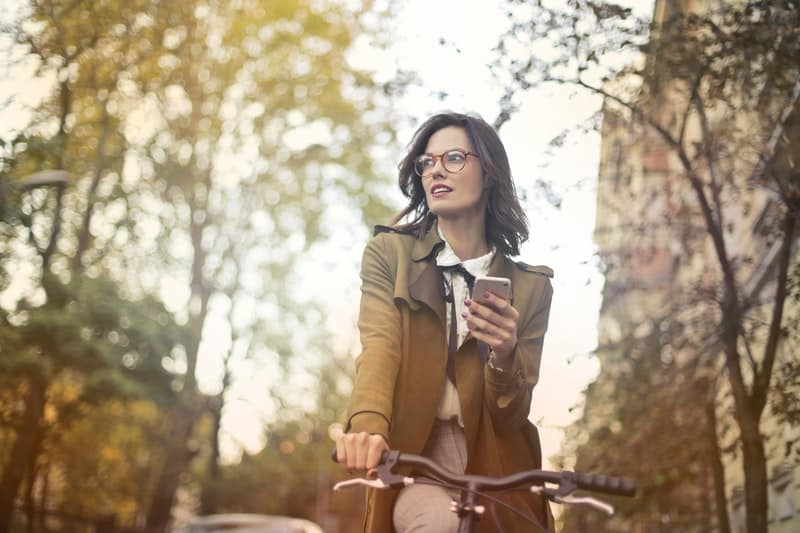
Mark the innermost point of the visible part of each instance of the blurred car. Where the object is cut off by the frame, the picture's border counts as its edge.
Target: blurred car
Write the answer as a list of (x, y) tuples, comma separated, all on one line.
[(248, 523)]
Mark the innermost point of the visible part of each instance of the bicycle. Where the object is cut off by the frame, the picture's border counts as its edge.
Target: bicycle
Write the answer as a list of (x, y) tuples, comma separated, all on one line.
[(471, 486)]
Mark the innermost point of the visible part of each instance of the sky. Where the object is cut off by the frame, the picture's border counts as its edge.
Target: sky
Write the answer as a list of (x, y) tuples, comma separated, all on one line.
[(560, 238)]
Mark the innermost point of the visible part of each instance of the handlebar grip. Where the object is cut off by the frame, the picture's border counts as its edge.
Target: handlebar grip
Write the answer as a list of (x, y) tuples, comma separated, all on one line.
[(609, 485)]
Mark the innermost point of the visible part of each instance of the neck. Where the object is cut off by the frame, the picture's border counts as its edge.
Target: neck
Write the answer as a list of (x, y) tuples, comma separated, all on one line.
[(467, 240)]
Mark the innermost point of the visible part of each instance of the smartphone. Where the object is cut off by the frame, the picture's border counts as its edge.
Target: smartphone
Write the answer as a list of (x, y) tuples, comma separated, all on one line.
[(501, 287)]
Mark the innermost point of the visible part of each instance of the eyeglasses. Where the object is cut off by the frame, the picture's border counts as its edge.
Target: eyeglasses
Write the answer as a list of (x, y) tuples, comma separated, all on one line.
[(452, 161)]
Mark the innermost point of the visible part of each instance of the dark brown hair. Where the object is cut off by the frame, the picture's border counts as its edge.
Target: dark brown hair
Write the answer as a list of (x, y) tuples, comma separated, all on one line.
[(506, 223)]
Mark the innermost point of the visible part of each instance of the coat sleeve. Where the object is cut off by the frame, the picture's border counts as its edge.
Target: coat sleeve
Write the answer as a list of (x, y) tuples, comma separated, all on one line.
[(509, 393), (370, 408)]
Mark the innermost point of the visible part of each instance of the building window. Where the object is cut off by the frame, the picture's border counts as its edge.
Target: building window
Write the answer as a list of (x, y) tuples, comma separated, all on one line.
[(783, 500)]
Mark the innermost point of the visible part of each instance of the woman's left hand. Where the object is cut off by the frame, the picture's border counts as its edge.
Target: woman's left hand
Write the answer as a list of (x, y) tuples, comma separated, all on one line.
[(495, 323)]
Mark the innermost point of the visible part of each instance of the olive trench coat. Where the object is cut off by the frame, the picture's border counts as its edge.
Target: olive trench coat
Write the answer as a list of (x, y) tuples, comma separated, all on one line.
[(401, 371)]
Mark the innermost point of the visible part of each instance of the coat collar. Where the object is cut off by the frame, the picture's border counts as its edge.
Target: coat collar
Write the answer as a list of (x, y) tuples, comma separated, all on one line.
[(428, 246), (424, 282)]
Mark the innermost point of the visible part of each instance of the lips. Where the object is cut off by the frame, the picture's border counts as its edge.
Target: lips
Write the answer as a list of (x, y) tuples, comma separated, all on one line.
[(439, 190)]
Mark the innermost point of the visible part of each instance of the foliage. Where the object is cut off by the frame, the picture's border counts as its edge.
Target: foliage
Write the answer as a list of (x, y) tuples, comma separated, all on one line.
[(115, 479), (116, 344), (293, 474), (206, 142)]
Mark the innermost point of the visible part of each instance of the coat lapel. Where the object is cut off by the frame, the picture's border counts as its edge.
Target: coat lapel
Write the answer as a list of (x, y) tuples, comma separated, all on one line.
[(469, 370), (424, 278)]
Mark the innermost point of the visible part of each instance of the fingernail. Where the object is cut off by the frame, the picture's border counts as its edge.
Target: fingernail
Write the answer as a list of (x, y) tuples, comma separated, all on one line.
[(486, 294), (467, 302), (464, 314)]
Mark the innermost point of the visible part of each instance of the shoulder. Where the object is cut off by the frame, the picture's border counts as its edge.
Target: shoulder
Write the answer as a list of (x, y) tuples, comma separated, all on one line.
[(532, 289), (389, 245), (540, 270), (390, 237), (380, 228)]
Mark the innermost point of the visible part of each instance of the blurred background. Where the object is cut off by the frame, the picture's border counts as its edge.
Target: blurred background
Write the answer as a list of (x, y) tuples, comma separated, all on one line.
[(186, 189)]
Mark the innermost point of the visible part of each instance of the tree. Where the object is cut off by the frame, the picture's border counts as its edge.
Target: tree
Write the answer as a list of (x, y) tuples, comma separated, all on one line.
[(260, 118), (714, 90), (207, 139), (64, 325)]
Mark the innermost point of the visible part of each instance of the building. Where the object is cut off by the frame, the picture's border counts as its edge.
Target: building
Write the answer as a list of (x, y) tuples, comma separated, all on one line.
[(661, 263)]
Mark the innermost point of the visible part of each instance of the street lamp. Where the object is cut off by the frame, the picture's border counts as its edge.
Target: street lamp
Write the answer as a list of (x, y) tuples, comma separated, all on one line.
[(43, 178)]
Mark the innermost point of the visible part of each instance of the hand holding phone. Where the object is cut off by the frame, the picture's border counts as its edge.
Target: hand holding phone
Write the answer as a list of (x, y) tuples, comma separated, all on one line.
[(500, 287), (500, 336)]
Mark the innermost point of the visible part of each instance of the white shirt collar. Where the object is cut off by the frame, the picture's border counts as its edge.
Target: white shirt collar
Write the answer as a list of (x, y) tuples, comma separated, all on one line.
[(475, 266)]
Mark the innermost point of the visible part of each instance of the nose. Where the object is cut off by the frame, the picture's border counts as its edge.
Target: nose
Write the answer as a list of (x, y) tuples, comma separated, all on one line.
[(438, 167)]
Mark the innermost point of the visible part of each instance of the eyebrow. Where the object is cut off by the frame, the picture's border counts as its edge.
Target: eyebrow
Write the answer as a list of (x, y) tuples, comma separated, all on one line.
[(445, 151)]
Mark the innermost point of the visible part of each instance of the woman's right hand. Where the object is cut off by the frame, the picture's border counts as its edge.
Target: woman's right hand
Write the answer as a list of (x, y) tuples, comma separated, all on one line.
[(360, 451)]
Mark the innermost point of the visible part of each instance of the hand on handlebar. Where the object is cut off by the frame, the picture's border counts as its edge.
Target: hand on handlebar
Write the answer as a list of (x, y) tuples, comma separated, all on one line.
[(360, 451)]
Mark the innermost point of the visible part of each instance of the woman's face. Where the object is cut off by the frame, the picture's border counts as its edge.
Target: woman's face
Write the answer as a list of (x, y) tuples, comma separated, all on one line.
[(450, 194)]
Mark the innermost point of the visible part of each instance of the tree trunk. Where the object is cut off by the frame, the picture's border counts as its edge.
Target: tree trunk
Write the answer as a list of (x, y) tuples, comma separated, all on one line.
[(754, 460), (717, 469), (30, 504), (755, 474), (176, 460), (208, 496), (42, 515), (24, 449)]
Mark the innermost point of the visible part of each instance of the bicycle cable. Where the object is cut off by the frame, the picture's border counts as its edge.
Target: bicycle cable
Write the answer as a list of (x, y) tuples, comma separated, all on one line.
[(493, 499)]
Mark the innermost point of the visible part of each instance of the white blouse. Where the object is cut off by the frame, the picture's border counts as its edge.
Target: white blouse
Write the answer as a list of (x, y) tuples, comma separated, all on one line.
[(449, 404)]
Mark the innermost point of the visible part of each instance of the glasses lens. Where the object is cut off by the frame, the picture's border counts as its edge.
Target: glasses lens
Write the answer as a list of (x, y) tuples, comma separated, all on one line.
[(423, 164), (454, 160)]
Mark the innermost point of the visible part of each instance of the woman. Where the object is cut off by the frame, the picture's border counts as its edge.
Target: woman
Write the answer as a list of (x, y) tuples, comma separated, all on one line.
[(460, 392)]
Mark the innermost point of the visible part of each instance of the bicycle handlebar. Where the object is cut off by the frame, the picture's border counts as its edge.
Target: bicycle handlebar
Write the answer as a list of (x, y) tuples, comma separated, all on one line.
[(567, 481)]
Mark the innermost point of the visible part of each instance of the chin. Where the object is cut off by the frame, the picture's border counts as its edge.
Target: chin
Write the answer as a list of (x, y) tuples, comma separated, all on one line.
[(444, 212)]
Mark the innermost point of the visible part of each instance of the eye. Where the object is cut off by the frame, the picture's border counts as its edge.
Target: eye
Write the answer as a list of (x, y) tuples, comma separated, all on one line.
[(455, 156), (425, 161)]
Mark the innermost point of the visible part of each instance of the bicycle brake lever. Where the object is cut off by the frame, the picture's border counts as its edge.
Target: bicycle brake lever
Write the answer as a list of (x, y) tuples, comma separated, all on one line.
[(588, 501), (553, 496), (373, 483)]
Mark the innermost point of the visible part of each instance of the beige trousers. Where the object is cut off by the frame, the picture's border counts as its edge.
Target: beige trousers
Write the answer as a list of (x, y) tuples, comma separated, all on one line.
[(426, 508)]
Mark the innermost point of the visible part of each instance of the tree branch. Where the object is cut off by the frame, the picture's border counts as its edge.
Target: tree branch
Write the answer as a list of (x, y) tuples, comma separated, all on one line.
[(762, 378), (84, 237), (634, 109), (750, 358), (707, 153)]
